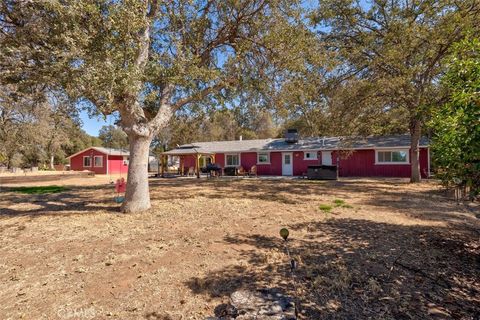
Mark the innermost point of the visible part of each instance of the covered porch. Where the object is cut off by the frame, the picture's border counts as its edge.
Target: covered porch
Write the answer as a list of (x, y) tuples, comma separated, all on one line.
[(199, 158)]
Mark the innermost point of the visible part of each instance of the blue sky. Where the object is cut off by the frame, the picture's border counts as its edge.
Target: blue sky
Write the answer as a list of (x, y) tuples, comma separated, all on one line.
[(93, 125)]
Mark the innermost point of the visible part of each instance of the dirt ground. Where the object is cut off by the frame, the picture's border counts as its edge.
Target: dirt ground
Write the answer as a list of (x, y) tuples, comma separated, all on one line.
[(386, 250)]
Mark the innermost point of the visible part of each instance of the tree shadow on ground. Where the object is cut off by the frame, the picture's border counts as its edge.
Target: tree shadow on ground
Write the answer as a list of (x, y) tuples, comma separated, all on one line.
[(425, 204), (74, 200), (357, 269)]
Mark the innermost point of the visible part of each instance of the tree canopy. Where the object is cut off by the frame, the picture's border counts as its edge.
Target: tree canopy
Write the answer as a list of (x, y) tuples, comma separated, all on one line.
[(36, 127), (391, 55), (113, 137), (148, 59)]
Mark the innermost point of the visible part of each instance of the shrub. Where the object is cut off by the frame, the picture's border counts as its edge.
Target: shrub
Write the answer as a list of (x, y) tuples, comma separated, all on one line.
[(325, 207)]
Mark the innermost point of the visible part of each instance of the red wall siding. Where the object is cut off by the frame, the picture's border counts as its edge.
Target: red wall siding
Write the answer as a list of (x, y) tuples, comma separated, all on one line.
[(361, 163), (275, 166), (248, 159), (188, 161), (424, 162), (300, 165), (76, 162), (220, 159), (115, 165)]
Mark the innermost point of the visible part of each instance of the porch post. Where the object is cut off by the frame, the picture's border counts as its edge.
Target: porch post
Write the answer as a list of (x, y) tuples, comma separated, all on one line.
[(181, 165), (198, 165)]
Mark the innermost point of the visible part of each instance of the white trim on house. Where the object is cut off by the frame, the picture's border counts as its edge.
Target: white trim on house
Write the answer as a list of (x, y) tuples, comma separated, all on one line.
[(327, 159), (89, 161), (233, 154), (288, 166), (315, 153), (313, 150), (393, 148), (268, 158), (407, 151), (94, 160)]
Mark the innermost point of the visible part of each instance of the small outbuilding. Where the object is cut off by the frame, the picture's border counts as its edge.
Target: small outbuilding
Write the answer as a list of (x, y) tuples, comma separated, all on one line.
[(100, 160)]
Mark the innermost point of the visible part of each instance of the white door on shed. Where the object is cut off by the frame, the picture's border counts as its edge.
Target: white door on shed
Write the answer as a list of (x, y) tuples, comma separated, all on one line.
[(327, 158), (287, 164)]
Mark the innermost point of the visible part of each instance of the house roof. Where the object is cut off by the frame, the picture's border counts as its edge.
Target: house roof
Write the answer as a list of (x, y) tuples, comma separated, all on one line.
[(112, 152), (108, 151), (319, 143)]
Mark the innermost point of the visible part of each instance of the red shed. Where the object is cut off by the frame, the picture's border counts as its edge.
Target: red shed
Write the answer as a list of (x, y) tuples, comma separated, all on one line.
[(100, 160)]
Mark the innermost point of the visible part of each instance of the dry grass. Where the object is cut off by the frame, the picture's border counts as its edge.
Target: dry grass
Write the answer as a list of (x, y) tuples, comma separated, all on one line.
[(388, 250)]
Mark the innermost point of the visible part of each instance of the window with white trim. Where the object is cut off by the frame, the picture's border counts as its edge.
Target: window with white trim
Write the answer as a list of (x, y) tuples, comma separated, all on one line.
[(87, 161), (310, 155), (263, 157), (232, 160), (98, 161), (392, 156)]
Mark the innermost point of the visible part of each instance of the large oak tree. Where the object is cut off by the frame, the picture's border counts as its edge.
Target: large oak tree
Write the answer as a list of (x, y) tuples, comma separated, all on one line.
[(148, 59), (392, 54)]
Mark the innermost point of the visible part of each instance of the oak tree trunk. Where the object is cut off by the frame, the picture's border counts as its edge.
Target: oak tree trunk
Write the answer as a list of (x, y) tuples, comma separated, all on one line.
[(137, 197), (415, 133)]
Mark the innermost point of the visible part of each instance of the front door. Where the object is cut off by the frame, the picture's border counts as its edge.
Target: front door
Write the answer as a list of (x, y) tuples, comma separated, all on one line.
[(287, 164), (327, 158)]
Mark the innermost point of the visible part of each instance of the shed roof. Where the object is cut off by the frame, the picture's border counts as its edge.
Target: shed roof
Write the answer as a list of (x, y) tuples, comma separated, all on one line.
[(318, 143), (112, 152), (107, 151)]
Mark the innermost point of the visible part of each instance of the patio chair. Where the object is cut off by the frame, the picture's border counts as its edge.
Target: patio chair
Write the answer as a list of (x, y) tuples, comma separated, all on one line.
[(191, 171), (241, 171), (253, 171)]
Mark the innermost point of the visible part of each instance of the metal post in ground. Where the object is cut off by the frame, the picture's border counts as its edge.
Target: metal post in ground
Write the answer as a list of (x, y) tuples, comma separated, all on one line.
[(284, 233)]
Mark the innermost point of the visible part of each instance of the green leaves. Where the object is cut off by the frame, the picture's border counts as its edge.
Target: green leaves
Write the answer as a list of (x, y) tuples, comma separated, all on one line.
[(134, 56), (456, 125), (398, 48)]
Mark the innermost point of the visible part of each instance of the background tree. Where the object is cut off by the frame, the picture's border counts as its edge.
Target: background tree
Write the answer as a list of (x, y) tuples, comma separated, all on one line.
[(36, 128), (456, 125), (55, 122), (113, 137), (80, 140), (393, 53), (147, 59), (18, 131)]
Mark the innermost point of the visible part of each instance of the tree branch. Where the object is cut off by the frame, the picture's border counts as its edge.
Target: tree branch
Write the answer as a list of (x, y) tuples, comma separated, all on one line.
[(201, 94)]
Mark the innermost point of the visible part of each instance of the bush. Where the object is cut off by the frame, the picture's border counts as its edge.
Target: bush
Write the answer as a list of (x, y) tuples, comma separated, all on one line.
[(456, 139), (325, 207)]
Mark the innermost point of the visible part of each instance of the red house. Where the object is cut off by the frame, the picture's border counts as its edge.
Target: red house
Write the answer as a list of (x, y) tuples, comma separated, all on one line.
[(100, 160), (374, 156)]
